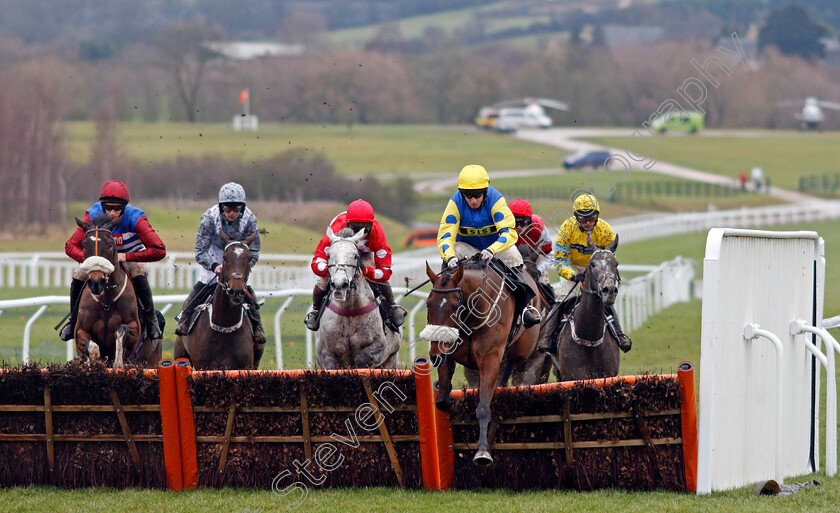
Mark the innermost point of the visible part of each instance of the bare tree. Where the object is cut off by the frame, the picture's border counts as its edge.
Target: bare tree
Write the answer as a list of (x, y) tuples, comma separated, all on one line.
[(183, 54)]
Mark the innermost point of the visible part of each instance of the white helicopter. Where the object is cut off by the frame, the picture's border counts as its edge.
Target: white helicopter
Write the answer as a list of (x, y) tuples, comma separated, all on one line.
[(509, 116), (812, 111)]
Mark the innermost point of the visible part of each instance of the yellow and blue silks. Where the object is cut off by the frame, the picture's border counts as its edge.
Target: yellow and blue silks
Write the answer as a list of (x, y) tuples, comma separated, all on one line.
[(490, 226)]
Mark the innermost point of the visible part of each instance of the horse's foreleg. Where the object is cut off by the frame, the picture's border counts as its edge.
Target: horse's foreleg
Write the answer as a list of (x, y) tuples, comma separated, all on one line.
[(258, 352), (86, 348), (489, 366), (119, 340), (445, 371)]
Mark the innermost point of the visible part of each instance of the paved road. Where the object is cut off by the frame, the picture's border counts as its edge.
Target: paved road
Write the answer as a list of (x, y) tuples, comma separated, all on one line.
[(568, 139)]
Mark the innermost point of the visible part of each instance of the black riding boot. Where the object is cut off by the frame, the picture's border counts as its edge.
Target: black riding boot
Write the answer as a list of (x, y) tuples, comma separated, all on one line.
[(254, 316), (147, 306), (187, 310), (624, 342), (547, 340), (530, 315), (312, 320), (76, 288), (397, 312)]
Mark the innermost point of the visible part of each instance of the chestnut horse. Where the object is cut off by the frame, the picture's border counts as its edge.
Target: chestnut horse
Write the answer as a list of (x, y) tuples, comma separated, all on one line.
[(470, 314), (108, 324), (587, 348), (222, 337)]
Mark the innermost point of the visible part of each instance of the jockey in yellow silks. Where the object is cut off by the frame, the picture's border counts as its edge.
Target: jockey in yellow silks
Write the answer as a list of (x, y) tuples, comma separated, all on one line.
[(477, 218), (572, 254)]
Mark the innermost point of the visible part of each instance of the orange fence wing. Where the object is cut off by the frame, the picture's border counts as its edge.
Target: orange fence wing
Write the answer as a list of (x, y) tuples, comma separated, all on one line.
[(170, 425), (186, 421)]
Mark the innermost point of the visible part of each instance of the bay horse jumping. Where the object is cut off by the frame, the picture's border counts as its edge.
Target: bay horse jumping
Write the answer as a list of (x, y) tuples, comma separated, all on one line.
[(351, 334), (470, 314), (587, 348), (108, 322), (536, 368), (222, 336)]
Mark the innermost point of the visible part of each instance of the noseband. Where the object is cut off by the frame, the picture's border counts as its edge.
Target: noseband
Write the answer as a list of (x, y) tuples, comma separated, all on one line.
[(358, 269), (96, 253), (600, 282), (225, 281)]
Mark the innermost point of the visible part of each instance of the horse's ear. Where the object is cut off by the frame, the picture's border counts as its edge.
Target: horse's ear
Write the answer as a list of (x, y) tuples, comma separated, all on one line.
[(614, 244), (357, 239), (456, 276), (331, 235), (250, 239), (589, 244), (83, 225), (225, 238), (431, 274)]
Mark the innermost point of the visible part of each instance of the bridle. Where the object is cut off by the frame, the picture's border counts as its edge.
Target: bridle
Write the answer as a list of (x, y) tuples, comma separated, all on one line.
[(224, 282), (107, 275), (602, 280), (358, 269)]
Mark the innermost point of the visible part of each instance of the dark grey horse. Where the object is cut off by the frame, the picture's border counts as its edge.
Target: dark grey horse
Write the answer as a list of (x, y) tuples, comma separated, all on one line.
[(587, 348)]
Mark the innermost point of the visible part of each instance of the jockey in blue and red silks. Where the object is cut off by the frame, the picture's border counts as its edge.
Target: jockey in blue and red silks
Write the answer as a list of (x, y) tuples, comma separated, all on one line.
[(137, 243), (375, 253), (477, 217)]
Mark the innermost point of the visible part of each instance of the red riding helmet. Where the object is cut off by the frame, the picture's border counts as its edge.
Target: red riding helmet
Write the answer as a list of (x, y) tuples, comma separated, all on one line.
[(114, 191), (520, 208), (360, 211)]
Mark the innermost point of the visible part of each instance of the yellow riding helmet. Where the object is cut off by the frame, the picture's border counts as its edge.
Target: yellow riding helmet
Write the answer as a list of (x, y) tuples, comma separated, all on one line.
[(473, 176), (586, 205)]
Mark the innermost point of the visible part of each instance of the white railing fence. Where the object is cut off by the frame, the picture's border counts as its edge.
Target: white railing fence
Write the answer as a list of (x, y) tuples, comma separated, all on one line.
[(179, 271), (760, 359), (664, 225)]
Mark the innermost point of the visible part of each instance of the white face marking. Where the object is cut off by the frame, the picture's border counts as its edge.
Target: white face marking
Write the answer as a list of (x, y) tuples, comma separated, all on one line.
[(442, 303), (238, 251)]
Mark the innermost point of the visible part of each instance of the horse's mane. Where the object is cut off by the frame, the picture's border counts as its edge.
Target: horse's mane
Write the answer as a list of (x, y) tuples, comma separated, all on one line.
[(345, 232), (103, 220)]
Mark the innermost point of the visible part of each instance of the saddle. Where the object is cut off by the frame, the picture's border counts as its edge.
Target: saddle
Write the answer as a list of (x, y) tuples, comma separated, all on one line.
[(565, 310), (201, 300), (520, 290)]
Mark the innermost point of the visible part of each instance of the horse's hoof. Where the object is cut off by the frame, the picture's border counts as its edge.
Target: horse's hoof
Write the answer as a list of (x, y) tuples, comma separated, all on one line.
[(483, 458), (443, 406)]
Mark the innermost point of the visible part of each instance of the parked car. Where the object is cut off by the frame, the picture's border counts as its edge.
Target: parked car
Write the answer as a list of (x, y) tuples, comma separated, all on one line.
[(582, 159)]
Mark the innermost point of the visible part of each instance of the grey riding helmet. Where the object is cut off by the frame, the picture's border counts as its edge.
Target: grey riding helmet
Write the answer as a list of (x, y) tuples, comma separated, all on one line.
[(232, 194)]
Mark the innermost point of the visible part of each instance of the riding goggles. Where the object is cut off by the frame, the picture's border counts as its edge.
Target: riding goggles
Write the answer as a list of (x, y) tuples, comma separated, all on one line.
[(118, 207), (355, 226), (473, 193), (523, 221), (232, 208), (581, 218)]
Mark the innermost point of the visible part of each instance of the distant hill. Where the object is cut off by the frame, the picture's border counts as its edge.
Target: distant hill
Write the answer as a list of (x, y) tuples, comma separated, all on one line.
[(103, 28)]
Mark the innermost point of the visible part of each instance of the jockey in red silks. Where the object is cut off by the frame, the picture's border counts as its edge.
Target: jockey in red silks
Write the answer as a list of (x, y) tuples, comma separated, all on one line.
[(137, 243), (532, 231), (375, 253)]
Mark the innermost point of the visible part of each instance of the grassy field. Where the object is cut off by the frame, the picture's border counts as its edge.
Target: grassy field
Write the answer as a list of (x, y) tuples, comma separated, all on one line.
[(38, 499), (783, 155), (448, 21), (363, 150)]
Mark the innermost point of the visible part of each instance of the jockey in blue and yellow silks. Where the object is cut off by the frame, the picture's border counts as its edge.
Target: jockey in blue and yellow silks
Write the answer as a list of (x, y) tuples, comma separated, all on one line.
[(477, 218)]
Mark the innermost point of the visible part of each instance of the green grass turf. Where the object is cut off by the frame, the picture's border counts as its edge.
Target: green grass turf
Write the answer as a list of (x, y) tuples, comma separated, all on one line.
[(822, 499), (783, 155), (363, 150)]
